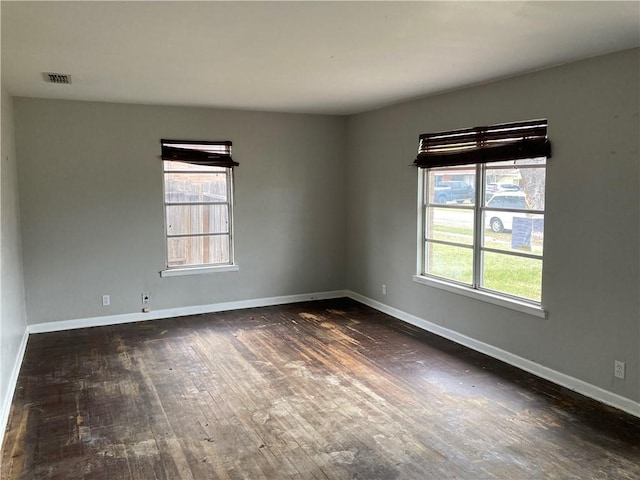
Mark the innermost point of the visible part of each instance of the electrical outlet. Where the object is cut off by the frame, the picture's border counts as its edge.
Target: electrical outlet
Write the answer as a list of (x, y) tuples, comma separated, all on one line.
[(146, 298), (384, 289), (618, 369), (106, 300)]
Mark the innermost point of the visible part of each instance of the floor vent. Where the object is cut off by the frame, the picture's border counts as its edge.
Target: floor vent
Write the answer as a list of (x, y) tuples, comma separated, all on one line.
[(60, 78)]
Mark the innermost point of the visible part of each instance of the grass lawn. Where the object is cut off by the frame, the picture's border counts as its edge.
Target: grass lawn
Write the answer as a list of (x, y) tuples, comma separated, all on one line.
[(517, 276), (500, 241)]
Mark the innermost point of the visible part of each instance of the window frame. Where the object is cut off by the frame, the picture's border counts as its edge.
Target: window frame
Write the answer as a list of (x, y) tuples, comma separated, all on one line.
[(187, 157), (475, 289)]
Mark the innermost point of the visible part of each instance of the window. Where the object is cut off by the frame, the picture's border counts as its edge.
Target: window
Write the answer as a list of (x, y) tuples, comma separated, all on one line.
[(198, 199), (481, 215)]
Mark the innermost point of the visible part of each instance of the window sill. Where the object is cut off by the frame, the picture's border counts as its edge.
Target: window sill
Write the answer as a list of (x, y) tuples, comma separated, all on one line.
[(524, 307), (176, 272)]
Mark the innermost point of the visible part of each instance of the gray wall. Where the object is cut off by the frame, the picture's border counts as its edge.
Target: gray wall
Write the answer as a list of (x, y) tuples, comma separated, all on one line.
[(12, 306), (591, 271), (92, 211)]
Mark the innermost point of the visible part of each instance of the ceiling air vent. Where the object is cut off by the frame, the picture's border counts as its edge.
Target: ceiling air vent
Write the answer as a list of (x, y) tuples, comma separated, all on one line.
[(61, 78)]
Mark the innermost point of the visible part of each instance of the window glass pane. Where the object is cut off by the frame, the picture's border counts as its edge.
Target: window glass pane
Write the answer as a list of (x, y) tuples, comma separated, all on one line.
[(518, 276), (195, 187), (186, 251), (515, 182), (450, 224), (172, 165), (508, 231), (452, 185), (454, 263), (189, 219), (514, 192)]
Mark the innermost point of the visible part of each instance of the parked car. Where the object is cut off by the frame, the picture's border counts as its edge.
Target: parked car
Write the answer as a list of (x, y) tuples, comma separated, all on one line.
[(493, 188), (500, 221), (453, 191)]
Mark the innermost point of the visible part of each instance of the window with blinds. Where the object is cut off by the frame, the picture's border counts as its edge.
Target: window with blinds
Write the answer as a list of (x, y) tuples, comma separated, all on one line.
[(198, 200), (481, 208)]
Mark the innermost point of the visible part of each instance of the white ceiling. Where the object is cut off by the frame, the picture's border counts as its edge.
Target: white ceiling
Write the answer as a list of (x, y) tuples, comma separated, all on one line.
[(312, 57)]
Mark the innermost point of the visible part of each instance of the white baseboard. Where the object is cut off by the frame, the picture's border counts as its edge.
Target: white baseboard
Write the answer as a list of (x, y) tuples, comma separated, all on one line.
[(5, 410), (554, 376), (179, 312)]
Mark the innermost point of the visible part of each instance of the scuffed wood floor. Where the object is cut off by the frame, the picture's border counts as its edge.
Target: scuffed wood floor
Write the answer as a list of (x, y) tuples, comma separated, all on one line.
[(320, 390)]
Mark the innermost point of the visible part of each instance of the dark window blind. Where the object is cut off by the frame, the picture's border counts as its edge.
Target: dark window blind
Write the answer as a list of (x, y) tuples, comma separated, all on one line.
[(497, 143), (213, 154)]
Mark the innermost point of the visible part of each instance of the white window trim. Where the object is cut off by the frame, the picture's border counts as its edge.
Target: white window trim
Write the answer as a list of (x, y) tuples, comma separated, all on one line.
[(199, 270), (534, 308), (513, 304)]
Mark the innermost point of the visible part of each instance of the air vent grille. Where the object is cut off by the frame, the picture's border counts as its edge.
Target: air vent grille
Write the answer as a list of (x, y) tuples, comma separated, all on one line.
[(59, 78)]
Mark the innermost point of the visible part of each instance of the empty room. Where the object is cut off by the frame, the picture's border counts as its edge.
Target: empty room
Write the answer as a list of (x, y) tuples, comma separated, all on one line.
[(320, 240)]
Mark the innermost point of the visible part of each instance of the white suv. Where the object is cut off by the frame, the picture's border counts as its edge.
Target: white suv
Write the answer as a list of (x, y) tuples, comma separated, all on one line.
[(500, 221)]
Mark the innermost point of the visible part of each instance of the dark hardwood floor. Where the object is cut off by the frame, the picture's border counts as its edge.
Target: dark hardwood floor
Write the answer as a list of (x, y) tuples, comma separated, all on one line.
[(320, 390)]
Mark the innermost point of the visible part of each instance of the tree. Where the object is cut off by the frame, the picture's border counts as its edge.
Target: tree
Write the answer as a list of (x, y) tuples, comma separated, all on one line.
[(532, 182)]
